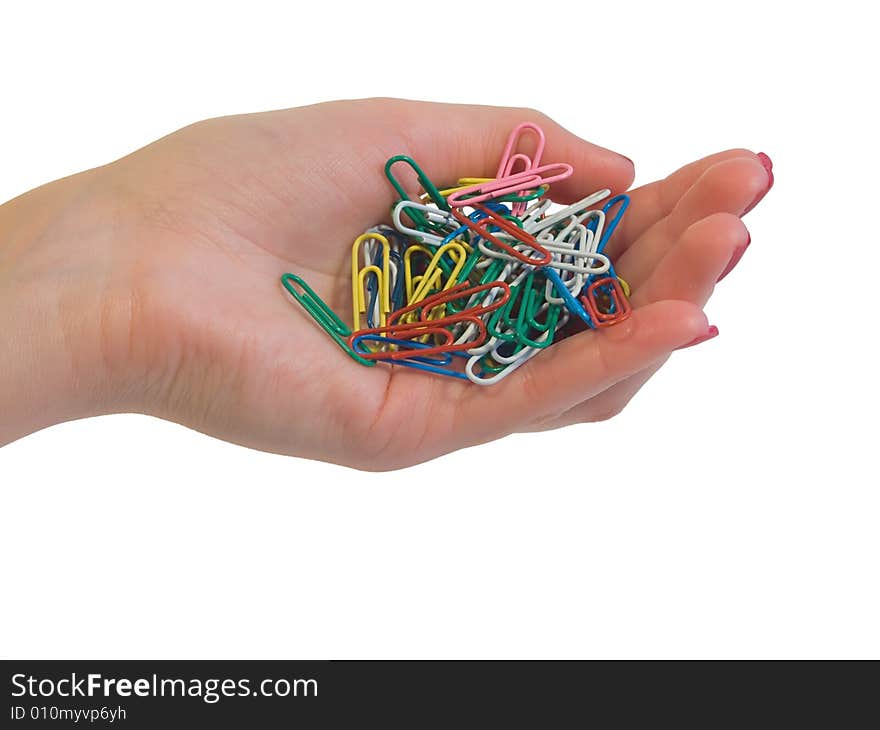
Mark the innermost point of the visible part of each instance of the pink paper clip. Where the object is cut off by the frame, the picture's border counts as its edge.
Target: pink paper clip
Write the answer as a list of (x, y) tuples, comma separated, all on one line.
[(528, 180), (509, 158), (505, 167)]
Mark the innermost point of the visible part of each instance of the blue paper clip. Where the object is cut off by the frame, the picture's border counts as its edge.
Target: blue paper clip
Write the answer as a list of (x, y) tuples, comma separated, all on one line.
[(571, 303), (610, 227), (432, 364)]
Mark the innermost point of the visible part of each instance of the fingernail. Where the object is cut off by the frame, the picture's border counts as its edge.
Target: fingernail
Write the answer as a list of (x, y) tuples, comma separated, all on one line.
[(768, 166), (710, 333), (734, 259), (765, 160), (633, 163)]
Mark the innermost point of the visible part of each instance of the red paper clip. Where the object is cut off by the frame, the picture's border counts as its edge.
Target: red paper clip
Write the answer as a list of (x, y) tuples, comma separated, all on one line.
[(606, 307), (481, 228), (459, 291), (463, 291)]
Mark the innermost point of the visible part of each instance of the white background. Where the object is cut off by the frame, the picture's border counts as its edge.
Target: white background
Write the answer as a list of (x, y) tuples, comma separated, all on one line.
[(731, 511)]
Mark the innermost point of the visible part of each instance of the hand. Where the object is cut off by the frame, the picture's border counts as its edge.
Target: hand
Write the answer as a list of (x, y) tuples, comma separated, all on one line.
[(169, 302)]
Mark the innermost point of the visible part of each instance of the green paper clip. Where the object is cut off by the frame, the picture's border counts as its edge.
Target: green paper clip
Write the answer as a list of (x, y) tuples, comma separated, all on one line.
[(326, 318)]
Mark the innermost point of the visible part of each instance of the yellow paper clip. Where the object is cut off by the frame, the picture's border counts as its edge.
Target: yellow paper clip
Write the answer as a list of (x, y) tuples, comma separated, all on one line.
[(359, 275)]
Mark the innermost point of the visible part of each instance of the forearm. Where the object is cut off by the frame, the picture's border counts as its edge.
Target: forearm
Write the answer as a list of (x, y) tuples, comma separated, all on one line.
[(51, 369)]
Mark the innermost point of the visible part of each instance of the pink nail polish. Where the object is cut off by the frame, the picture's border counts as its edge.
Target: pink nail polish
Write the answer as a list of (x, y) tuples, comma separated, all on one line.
[(734, 259), (768, 166), (710, 333), (765, 160)]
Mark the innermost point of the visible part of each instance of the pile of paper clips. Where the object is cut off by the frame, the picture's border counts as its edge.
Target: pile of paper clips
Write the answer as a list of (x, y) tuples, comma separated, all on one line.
[(474, 280)]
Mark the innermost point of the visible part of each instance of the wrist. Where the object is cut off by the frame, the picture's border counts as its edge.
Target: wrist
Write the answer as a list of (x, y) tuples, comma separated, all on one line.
[(62, 308)]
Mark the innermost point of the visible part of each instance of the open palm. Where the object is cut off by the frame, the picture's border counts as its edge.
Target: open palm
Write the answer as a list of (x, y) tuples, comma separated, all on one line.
[(219, 210)]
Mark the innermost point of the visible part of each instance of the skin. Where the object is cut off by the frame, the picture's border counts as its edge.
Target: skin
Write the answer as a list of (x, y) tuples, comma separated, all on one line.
[(152, 284)]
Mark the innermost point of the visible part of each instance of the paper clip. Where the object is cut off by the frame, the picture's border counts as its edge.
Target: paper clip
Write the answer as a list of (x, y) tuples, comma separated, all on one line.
[(439, 219), (433, 273), (490, 218), (422, 308), (322, 314), (406, 333), (410, 277), (359, 275), (524, 356), (573, 305), (509, 158), (622, 201), (436, 364), (575, 209), (606, 302), (506, 163), (424, 181), (536, 177)]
